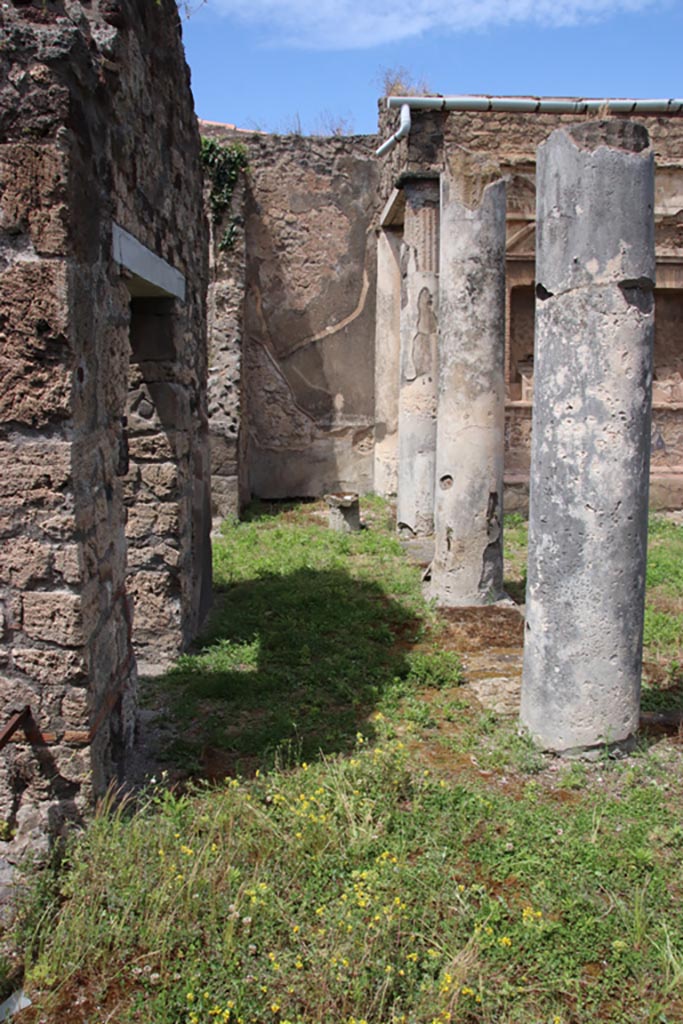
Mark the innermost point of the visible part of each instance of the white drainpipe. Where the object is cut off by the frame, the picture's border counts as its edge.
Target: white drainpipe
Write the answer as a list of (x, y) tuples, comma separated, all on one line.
[(522, 105), (402, 132)]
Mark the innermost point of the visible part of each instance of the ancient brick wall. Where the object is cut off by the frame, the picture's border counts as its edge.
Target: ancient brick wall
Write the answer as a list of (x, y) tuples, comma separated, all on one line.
[(225, 310), (512, 140), (103, 425), (307, 323), (505, 136)]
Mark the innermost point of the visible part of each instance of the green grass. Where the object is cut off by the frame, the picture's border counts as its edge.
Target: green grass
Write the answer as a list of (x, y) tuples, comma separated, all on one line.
[(665, 556), (515, 549), (391, 853), (663, 629), (304, 641), (362, 888)]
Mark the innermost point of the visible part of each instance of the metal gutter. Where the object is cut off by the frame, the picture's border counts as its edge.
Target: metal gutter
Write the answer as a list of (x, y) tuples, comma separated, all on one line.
[(523, 105), (536, 105)]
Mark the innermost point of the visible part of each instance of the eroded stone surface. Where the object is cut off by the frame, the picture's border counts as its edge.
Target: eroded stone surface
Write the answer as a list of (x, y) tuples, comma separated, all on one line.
[(292, 321), (468, 506), (511, 140), (590, 449), (387, 361), (103, 411), (344, 515), (417, 396)]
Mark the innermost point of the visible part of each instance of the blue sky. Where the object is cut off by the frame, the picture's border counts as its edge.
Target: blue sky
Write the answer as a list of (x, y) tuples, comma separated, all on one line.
[(272, 65)]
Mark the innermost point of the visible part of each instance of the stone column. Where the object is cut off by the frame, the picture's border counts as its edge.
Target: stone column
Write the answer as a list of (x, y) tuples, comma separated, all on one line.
[(417, 392), (591, 436), (387, 355), (468, 521)]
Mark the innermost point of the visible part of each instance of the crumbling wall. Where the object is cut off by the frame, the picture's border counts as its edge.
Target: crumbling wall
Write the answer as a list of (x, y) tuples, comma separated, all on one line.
[(225, 309), (93, 136), (306, 375)]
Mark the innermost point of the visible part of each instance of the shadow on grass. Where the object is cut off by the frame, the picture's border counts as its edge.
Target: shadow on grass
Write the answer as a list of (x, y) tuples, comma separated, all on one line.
[(291, 665), (516, 588), (259, 510), (662, 690)]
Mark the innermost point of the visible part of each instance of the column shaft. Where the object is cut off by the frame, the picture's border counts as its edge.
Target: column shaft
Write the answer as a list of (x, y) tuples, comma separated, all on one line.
[(591, 436), (417, 393), (387, 358), (468, 556)]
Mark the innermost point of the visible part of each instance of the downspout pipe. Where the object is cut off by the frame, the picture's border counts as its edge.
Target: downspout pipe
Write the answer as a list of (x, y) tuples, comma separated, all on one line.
[(402, 133)]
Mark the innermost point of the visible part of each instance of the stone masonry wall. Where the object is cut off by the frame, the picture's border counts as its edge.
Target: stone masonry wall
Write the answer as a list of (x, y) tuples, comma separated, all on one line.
[(310, 209), (89, 136), (227, 398)]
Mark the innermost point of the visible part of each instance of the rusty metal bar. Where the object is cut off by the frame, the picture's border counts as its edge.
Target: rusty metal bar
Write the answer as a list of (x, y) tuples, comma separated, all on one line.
[(19, 720)]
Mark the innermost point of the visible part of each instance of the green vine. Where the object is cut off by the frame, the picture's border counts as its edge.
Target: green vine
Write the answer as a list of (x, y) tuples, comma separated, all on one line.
[(223, 165)]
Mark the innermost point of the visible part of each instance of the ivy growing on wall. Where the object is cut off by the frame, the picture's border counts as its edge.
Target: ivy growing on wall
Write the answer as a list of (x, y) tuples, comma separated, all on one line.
[(223, 164)]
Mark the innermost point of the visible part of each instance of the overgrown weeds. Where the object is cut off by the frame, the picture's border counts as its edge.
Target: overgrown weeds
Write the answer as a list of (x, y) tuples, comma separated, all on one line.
[(384, 880), (359, 888)]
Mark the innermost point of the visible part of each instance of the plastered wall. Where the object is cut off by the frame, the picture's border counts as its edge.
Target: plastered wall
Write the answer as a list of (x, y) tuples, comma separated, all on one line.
[(299, 342)]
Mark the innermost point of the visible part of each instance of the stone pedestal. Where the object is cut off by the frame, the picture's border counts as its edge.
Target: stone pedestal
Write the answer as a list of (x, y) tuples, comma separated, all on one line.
[(591, 436), (417, 394), (468, 521), (344, 512)]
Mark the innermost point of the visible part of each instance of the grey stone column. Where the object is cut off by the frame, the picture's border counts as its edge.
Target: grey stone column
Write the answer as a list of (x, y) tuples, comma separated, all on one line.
[(468, 520), (417, 389), (591, 436), (387, 358)]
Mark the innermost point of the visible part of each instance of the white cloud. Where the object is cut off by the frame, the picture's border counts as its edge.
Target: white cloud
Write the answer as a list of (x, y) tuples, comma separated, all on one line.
[(360, 24)]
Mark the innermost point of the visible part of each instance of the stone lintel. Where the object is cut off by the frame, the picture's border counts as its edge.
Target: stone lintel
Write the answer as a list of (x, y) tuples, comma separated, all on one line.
[(392, 214), (151, 275)]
